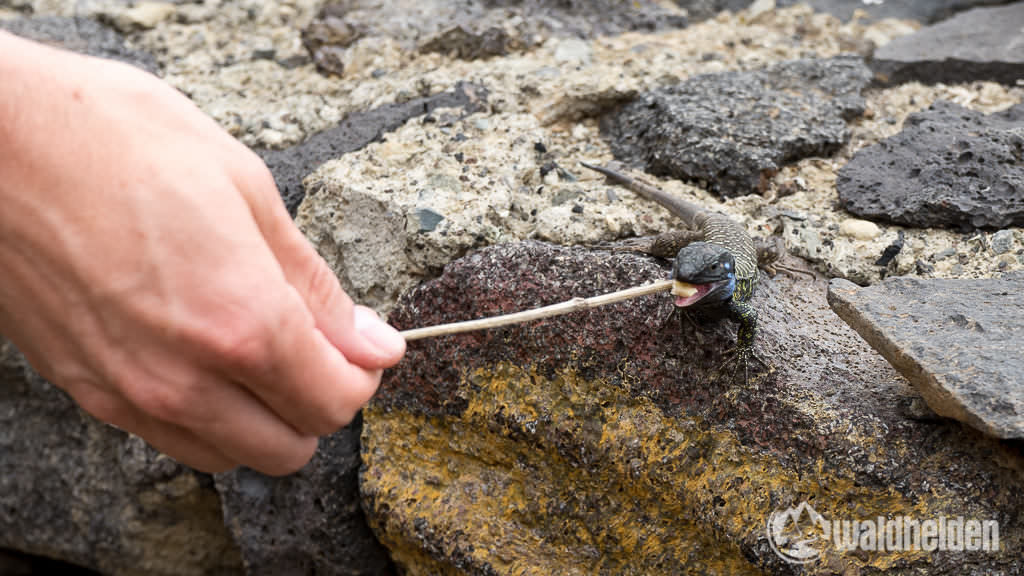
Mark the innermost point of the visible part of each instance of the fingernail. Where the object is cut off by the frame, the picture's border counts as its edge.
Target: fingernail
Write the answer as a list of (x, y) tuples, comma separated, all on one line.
[(383, 337)]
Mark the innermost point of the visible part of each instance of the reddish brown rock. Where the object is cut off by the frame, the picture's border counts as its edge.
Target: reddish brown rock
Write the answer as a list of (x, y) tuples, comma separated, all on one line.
[(607, 440)]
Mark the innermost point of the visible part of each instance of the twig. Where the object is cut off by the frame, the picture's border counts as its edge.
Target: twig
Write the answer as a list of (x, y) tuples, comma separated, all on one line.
[(574, 305)]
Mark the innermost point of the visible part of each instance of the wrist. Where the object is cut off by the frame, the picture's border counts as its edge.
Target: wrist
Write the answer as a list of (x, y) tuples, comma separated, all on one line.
[(37, 79)]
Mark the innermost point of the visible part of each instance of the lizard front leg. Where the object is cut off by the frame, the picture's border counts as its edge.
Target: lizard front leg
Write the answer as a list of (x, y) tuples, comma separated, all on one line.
[(745, 314)]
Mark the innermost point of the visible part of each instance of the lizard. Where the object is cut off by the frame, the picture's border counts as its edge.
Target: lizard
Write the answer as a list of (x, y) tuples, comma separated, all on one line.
[(714, 260)]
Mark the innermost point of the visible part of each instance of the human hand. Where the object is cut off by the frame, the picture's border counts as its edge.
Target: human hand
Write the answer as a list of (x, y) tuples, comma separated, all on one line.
[(151, 270)]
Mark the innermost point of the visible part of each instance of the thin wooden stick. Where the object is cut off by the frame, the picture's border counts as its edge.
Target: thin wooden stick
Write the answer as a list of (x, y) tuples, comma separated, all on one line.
[(574, 305)]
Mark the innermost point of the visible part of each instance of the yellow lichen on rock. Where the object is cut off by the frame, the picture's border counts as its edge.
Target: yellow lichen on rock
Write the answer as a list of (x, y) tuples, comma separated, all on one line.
[(563, 475)]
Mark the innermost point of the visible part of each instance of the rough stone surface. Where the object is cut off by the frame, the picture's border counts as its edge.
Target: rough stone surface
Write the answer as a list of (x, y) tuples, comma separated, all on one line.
[(397, 210), (957, 341), (307, 523), (143, 15), (80, 35), (980, 44), (82, 492), (950, 166), (735, 130), (291, 165), (483, 28), (606, 441), (921, 10)]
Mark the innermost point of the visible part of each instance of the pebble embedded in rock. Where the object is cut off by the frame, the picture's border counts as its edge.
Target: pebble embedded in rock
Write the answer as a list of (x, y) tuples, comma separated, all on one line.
[(759, 7), (429, 219), (949, 167), (958, 341), (144, 16), (985, 46), (1002, 241), (735, 130), (859, 229), (573, 50)]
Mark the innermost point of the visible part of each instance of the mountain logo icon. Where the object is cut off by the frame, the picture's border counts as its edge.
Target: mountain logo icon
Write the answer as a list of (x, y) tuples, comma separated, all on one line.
[(797, 535)]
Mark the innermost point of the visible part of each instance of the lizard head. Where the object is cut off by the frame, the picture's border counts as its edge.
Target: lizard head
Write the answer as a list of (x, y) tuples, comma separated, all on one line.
[(704, 274)]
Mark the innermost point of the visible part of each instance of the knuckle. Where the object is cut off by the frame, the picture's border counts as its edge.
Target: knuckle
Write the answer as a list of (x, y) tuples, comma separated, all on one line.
[(337, 419), (293, 459), (242, 342), (164, 402), (323, 290)]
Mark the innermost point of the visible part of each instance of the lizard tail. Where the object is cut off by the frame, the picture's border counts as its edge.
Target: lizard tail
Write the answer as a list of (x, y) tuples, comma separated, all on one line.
[(687, 211)]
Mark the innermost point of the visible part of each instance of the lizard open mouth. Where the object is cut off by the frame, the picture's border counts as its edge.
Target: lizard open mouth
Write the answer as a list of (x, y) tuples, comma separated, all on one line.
[(689, 294)]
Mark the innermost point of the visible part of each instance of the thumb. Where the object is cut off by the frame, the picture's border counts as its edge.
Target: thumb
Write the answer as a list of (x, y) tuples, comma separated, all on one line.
[(356, 331)]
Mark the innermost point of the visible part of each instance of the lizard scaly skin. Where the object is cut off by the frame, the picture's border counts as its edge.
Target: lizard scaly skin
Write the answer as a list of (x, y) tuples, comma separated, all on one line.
[(711, 228)]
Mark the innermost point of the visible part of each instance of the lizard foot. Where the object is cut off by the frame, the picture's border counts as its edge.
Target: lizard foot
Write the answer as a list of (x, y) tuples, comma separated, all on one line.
[(740, 358)]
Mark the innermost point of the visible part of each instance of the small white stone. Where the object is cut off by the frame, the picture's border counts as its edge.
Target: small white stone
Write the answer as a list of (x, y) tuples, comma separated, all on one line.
[(760, 7), (145, 15), (859, 229), (271, 138), (573, 50)]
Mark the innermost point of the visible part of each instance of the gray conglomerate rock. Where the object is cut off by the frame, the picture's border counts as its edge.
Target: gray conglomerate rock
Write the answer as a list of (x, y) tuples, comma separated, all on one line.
[(980, 44), (484, 28), (926, 11), (949, 166), (309, 522), (77, 490), (291, 165), (607, 442), (81, 35), (958, 341), (735, 130)]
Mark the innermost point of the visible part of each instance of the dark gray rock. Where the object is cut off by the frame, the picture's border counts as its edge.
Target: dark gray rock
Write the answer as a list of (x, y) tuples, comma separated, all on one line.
[(79, 491), (80, 35), (981, 44), (309, 522), (926, 11), (358, 129), (950, 167), (17, 564), (959, 342), (698, 10), (735, 130), (471, 42)]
